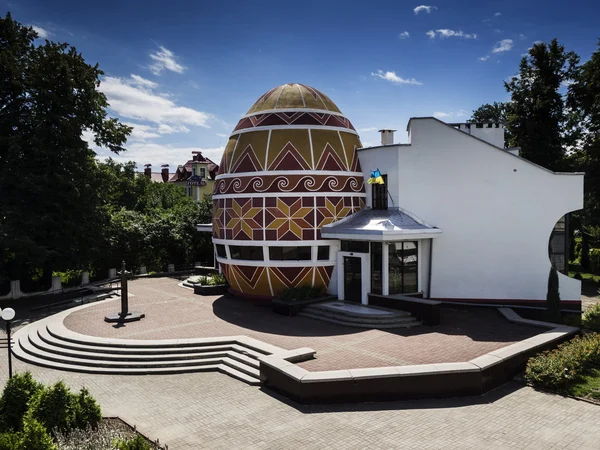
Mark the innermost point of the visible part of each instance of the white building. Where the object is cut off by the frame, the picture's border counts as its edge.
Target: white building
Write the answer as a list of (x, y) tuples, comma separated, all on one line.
[(460, 218)]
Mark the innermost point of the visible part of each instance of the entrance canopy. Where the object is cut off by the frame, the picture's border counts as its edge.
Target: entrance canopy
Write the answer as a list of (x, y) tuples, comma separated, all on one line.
[(379, 225)]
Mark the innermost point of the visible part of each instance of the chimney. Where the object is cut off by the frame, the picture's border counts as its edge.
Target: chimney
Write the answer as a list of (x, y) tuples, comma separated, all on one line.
[(164, 171), (148, 170), (197, 156), (492, 132), (387, 137)]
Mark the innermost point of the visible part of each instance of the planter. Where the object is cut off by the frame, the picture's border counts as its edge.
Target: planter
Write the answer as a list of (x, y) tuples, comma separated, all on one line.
[(293, 308), (218, 289)]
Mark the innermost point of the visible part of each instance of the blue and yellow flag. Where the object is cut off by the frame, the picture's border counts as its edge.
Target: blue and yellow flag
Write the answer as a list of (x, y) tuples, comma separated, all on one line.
[(376, 178)]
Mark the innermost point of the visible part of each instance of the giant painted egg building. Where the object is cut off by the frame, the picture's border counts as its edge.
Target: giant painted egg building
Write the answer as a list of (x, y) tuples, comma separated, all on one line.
[(289, 168)]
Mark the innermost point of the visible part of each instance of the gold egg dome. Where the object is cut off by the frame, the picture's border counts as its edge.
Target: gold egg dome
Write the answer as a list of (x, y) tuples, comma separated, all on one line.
[(293, 96)]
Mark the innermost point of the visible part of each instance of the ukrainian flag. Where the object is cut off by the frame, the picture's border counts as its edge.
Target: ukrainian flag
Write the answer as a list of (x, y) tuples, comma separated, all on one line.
[(376, 178)]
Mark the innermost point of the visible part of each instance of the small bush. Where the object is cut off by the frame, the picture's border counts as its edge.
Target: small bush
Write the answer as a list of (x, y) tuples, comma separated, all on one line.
[(219, 278), (86, 409), (591, 318), (137, 443), (557, 369), (299, 293), (14, 401), (578, 276), (35, 436), (9, 441), (54, 407), (103, 437), (69, 278)]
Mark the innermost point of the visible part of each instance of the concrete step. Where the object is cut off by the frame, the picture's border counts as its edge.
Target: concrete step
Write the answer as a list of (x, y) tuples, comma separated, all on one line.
[(251, 380), (239, 364), (361, 324), (362, 318), (51, 342)]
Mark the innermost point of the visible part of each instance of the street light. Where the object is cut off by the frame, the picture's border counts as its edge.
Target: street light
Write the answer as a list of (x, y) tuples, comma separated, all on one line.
[(8, 314)]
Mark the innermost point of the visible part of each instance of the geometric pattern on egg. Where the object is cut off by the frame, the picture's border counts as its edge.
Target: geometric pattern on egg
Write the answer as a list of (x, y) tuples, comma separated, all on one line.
[(289, 168)]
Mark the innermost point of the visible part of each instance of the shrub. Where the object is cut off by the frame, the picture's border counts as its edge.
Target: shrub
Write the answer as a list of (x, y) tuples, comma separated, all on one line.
[(219, 278), (595, 260), (137, 443), (304, 292), (54, 407), (556, 369), (86, 409), (69, 278), (553, 296), (101, 438), (578, 276), (14, 401), (591, 318), (35, 436), (9, 441)]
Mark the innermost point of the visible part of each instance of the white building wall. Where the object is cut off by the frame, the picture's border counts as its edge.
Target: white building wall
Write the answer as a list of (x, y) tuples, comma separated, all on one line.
[(496, 212)]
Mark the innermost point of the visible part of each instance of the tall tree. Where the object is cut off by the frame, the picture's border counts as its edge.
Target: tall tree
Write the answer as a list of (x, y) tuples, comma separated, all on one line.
[(537, 117), (50, 207), (584, 101)]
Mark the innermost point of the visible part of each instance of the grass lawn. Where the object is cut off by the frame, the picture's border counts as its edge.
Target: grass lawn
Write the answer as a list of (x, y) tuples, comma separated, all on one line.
[(587, 276), (588, 386)]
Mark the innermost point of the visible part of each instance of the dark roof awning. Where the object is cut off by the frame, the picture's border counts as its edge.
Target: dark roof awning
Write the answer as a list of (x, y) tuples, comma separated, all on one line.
[(380, 225)]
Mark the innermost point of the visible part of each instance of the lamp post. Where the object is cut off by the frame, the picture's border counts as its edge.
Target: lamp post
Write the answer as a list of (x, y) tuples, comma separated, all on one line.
[(125, 315), (8, 314)]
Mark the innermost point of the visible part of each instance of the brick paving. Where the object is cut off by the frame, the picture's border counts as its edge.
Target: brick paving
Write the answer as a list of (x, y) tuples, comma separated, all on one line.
[(174, 312), (214, 411)]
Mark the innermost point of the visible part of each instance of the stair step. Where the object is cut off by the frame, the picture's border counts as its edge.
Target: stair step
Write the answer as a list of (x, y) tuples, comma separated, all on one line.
[(410, 324), (51, 341), (46, 359), (346, 313), (359, 319), (252, 381)]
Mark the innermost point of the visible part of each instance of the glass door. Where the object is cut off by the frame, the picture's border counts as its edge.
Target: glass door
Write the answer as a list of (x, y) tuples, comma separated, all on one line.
[(352, 279)]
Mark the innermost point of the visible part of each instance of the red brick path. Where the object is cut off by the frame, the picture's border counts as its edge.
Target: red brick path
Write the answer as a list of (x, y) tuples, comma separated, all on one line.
[(173, 312)]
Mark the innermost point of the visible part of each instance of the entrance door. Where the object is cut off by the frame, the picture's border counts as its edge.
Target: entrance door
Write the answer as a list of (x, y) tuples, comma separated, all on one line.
[(352, 279)]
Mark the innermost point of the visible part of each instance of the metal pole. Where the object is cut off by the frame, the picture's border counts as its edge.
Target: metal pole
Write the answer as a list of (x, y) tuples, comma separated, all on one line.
[(9, 349), (124, 295)]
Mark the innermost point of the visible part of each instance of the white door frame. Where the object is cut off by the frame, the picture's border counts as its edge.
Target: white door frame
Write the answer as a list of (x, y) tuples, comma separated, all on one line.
[(365, 270)]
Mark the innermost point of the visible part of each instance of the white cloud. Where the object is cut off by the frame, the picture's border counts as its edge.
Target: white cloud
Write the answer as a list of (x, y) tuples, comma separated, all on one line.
[(142, 82), (222, 135), (366, 130), (497, 14), (127, 99), (404, 35), (497, 30), (42, 33), (522, 36), (142, 132), (194, 84), (503, 46), (424, 8), (446, 33), (447, 115), (484, 58), (165, 60), (393, 78), (168, 129)]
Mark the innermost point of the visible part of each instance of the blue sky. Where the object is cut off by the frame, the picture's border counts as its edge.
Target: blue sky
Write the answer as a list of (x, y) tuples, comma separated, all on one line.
[(184, 72)]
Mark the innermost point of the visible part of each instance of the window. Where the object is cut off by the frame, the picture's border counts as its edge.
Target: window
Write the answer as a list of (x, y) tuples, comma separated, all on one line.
[(290, 253), (376, 258), (202, 172), (248, 253), (558, 245), (188, 191), (194, 170), (355, 246), (221, 251), (323, 253), (379, 195), (403, 266)]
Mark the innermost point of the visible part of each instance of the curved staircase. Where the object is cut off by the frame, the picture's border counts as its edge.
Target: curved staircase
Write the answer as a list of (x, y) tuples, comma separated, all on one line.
[(49, 343), (355, 315)]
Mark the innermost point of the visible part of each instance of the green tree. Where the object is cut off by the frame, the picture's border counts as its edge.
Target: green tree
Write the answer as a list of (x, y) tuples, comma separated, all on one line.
[(495, 112), (584, 101), (17, 392), (537, 118), (50, 207)]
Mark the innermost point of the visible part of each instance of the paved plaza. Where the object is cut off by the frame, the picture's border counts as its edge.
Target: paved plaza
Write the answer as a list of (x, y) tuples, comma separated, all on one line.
[(174, 312), (214, 411)]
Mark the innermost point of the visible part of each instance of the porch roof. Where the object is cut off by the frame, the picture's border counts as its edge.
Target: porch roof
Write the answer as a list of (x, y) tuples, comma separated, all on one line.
[(380, 225)]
